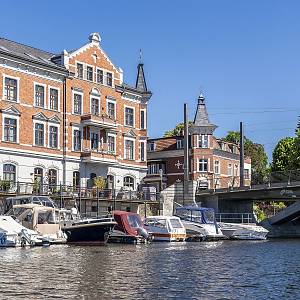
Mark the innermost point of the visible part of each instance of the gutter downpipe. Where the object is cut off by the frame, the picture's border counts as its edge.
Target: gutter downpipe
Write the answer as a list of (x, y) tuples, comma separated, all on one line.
[(64, 130)]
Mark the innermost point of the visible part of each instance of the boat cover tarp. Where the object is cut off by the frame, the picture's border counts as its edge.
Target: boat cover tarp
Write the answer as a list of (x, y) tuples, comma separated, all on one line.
[(121, 217)]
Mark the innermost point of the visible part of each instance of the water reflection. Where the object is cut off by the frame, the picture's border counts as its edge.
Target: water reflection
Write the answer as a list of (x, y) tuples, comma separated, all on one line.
[(217, 270)]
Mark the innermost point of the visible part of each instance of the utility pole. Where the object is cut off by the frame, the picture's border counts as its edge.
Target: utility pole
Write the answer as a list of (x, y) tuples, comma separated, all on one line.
[(241, 154), (186, 154)]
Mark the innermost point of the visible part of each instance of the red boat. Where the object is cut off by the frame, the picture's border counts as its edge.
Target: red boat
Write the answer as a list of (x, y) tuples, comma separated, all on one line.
[(129, 229)]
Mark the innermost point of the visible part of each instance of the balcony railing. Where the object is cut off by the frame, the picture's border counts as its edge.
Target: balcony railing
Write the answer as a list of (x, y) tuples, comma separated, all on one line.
[(101, 120)]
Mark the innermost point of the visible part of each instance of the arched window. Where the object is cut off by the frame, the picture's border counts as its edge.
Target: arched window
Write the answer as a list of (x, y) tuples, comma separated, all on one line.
[(76, 179), (129, 182), (91, 180), (52, 177), (38, 175), (9, 172)]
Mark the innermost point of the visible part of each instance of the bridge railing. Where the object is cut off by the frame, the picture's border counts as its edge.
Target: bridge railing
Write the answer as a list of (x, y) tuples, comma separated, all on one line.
[(230, 183), (245, 218)]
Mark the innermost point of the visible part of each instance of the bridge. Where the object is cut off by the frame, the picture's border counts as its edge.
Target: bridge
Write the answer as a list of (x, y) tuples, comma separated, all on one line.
[(279, 186)]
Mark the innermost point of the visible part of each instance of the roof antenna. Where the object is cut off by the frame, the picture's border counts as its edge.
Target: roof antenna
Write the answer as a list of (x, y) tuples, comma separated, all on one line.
[(201, 90), (141, 57)]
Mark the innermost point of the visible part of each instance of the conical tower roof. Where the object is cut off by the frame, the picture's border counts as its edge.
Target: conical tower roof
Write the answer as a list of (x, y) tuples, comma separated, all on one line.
[(201, 124), (140, 84)]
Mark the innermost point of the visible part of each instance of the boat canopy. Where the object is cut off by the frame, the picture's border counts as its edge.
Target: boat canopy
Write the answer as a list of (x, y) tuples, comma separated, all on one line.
[(127, 222), (196, 214)]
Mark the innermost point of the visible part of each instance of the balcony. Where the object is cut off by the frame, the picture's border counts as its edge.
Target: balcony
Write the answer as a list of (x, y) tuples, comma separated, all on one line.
[(98, 156), (103, 121)]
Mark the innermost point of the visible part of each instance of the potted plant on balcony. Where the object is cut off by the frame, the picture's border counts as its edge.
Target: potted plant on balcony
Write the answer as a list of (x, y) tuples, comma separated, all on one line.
[(99, 185), (4, 185)]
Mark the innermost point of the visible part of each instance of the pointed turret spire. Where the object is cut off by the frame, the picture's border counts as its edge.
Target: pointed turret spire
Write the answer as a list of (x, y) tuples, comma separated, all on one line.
[(201, 124), (140, 84)]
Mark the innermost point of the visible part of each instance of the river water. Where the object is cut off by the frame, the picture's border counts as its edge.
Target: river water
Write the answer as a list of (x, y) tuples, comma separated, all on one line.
[(207, 270)]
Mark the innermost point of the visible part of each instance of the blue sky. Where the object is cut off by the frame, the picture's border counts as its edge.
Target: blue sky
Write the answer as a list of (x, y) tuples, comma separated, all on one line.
[(243, 55)]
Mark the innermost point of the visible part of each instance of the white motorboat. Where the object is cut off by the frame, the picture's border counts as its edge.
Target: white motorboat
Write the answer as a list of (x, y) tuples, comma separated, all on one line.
[(42, 219), (13, 234), (163, 228), (238, 231), (200, 223)]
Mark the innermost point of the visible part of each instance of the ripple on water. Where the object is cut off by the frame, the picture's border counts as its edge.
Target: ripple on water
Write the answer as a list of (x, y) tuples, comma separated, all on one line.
[(217, 270)]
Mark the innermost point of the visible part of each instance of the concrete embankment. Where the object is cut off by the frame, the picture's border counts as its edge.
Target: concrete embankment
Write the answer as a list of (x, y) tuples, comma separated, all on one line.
[(285, 224)]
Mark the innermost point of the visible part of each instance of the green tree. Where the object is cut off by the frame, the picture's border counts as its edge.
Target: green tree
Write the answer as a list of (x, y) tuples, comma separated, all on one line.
[(297, 131), (177, 131), (259, 159), (286, 155)]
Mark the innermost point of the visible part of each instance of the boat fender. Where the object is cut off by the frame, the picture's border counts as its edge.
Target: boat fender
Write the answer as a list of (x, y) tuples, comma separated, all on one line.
[(3, 239), (23, 241), (143, 232)]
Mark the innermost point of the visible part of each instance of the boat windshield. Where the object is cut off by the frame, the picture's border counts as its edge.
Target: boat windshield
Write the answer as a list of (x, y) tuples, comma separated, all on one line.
[(134, 221), (46, 217), (175, 223), (46, 201), (161, 223), (190, 215), (209, 216), (16, 211)]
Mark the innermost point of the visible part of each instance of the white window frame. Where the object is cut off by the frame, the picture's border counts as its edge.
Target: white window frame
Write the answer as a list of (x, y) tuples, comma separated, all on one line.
[(217, 164), (129, 139), (6, 115), (58, 134), (18, 88), (200, 137), (98, 98), (179, 142), (200, 171), (58, 104), (85, 66), (112, 78), (78, 93), (81, 63), (143, 145), (95, 131), (45, 132), (115, 142), (8, 162), (111, 101), (79, 129), (132, 107), (45, 95), (103, 83), (148, 146), (145, 119)]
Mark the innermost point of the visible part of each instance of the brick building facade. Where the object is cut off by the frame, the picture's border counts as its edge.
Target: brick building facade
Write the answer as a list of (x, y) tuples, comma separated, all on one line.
[(213, 163), (68, 118)]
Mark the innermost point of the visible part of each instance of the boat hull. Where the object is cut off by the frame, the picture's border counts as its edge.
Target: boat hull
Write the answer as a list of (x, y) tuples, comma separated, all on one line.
[(88, 234), (202, 232), (118, 237), (244, 231)]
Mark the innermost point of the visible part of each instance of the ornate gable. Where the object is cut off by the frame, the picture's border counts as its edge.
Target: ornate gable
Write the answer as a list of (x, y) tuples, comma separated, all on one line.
[(11, 110), (40, 116), (98, 54), (130, 134), (54, 119)]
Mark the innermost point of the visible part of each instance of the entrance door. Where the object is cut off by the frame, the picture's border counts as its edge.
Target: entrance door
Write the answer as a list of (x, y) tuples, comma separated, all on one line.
[(110, 182), (38, 180)]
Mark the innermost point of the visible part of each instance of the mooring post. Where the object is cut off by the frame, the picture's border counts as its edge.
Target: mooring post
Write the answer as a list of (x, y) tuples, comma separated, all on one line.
[(241, 155), (186, 154)]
